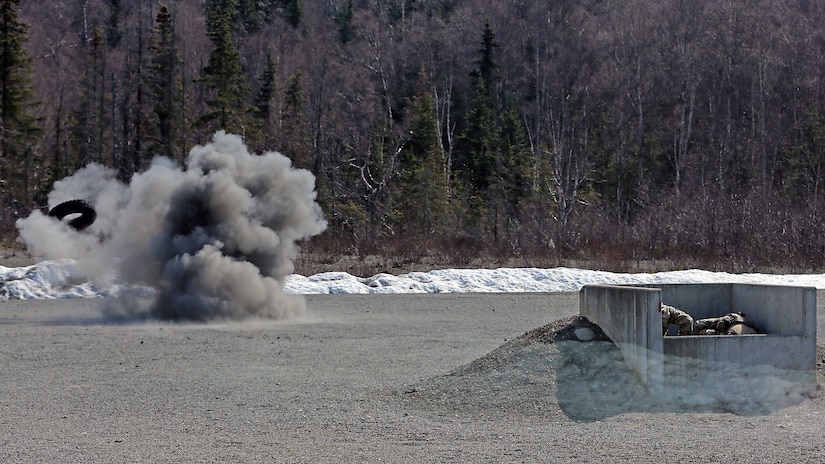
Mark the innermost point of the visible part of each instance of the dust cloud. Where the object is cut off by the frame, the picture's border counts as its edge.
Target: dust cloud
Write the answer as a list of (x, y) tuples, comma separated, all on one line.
[(215, 240)]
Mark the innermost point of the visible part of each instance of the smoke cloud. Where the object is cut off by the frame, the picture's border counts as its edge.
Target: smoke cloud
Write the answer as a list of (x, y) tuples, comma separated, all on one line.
[(216, 240)]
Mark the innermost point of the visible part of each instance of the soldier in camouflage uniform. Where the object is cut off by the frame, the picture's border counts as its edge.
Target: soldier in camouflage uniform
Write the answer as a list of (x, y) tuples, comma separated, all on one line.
[(730, 324), (671, 315)]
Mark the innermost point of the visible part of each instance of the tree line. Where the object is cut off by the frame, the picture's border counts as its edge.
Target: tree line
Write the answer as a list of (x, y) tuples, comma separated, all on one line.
[(681, 130)]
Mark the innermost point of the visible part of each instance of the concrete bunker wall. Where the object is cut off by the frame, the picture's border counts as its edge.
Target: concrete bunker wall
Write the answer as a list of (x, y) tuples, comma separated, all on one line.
[(630, 317)]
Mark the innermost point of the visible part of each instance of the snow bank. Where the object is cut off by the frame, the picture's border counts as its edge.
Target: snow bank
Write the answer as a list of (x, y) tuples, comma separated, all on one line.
[(62, 279)]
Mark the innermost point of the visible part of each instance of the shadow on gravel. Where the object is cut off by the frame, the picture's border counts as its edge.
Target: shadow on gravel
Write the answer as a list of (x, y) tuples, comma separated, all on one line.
[(571, 368), (594, 382)]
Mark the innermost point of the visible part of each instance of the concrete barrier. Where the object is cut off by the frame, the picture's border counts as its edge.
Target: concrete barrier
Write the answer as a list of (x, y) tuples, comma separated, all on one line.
[(784, 354), (624, 314)]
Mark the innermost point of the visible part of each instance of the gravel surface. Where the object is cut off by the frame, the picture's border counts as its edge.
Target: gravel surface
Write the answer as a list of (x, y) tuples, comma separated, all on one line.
[(360, 378)]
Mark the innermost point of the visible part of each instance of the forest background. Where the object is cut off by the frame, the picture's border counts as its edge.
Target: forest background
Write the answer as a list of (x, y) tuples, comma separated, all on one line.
[(618, 132)]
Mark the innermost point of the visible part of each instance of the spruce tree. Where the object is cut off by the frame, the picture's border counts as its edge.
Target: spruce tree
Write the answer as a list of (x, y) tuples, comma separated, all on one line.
[(266, 92), (293, 125), (423, 199), (250, 15), (166, 88), (113, 32), (346, 30), (486, 64), (19, 127), (804, 171), (515, 165), (294, 11), (511, 184), (476, 158), (225, 80)]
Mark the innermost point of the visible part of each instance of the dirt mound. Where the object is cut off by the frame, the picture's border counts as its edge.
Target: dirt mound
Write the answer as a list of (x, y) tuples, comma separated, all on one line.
[(566, 368), (575, 328)]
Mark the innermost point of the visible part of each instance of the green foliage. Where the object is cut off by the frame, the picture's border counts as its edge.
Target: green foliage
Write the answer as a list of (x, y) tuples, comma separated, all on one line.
[(294, 135), (166, 89), (294, 11), (422, 195), (223, 77), (515, 167), (350, 219), (266, 93), (19, 125), (476, 157), (250, 13), (20, 128), (475, 161), (805, 166), (485, 73), (569, 135), (346, 29), (220, 13)]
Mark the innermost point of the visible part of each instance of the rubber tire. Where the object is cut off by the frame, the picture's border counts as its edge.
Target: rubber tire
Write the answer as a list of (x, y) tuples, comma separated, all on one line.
[(87, 213)]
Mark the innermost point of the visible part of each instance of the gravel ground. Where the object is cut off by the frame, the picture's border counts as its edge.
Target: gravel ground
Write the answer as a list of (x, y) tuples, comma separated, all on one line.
[(360, 378)]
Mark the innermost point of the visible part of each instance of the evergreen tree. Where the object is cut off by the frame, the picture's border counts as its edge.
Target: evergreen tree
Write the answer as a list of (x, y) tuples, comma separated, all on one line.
[(423, 193), (346, 30), (486, 65), (250, 15), (18, 125), (804, 176), (476, 158), (266, 92), (253, 13), (515, 165), (232, 9), (294, 11), (264, 110), (113, 32), (166, 88), (224, 78), (293, 140)]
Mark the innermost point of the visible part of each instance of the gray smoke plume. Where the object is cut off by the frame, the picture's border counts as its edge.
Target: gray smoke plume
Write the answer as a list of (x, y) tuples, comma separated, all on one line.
[(215, 240)]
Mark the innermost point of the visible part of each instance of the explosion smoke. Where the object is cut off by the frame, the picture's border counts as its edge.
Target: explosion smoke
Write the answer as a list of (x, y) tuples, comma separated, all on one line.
[(215, 240)]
